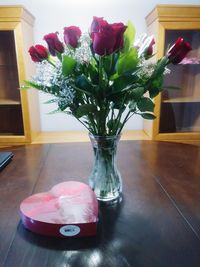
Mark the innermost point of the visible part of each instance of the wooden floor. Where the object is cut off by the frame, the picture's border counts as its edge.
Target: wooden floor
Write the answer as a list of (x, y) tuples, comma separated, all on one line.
[(157, 224)]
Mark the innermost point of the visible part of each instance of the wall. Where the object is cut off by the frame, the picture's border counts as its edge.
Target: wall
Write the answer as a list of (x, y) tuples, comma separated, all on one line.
[(52, 16)]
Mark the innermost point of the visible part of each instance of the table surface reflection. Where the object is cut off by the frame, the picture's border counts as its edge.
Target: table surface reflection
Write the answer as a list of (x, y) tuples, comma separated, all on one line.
[(156, 224)]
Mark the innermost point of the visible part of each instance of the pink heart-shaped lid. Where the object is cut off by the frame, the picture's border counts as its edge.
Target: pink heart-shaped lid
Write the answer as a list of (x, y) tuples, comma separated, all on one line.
[(66, 203)]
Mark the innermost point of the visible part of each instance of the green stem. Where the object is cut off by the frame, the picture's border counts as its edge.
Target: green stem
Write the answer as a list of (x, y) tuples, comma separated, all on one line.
[(51, 62), (102, 119), (91, 119), (118, 118), (125, 120), (100, 72), (83, 124), (80, 90)]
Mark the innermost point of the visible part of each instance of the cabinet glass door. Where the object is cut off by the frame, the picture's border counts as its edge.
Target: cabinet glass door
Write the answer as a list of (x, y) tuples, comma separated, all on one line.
[(180, 108), (11, 122)]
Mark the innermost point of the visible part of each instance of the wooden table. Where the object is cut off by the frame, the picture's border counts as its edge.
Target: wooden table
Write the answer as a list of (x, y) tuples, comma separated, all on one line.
[(156, 225)]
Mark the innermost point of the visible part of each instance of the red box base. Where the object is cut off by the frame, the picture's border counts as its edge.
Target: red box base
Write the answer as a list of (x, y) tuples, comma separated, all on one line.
[(69, 209)]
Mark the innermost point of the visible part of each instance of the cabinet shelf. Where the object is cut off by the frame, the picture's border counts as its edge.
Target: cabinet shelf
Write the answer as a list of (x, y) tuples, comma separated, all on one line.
[(8, 65), (182, 100), (9, 102)]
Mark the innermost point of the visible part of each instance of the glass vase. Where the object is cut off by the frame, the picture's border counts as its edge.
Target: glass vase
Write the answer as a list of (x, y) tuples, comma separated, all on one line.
[(105, 179)]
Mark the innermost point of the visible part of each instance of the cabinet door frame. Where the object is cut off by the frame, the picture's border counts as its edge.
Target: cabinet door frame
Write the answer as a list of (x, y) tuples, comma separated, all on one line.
[(185, 24), (16, 27)]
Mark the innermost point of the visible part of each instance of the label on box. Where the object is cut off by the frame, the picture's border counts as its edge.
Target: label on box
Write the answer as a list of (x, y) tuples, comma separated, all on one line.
[(70, 230)]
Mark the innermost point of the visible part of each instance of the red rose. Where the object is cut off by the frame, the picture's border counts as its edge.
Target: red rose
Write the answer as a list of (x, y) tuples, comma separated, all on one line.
[(97, 23), (103, 42), (38, 53), (72, 35), (119, 29), (106, 38), (54, 44), (178, 51)]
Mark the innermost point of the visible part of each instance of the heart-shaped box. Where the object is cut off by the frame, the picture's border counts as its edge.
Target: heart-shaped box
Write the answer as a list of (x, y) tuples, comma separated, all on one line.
[(68, 209)]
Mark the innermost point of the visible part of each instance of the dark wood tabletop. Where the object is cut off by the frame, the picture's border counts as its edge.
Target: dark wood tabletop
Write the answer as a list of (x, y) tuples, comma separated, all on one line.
[(157, 224)]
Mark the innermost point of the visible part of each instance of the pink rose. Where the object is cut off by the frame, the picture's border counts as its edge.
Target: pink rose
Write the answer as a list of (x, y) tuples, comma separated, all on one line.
[(54, 44), (72, 35), (38, 53), (178, 51)]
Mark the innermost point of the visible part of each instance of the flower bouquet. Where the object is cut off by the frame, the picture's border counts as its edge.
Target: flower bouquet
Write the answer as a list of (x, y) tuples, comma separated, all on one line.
[(102, 78)]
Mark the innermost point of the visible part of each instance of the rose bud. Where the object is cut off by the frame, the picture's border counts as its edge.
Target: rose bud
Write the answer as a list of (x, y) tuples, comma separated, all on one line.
[(119, 29), (139, 42), (54, 44), (149, 50), (72, 35), (38, 53), (146, 46), (178, 51)]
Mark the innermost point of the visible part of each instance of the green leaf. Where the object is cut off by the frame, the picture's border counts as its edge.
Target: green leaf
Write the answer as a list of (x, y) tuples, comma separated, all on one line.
[(24, 87), (54, 111), (67, 112), (145, 104), (117, 99), (132, 105), (59, 111), (148, 116), (154, 92), (137, 93), (93, 74), (114, 76), (81, 91), (111, 124), (59, 55), (31, 84), (123, 81), (53, 90), (108, 63), (83, 83), (85, 110), (155, 86), (160, 67), (129, 36), (127, 62), (62, 105), (157, 82), (68, 65), (118, 103), (50, 101)]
